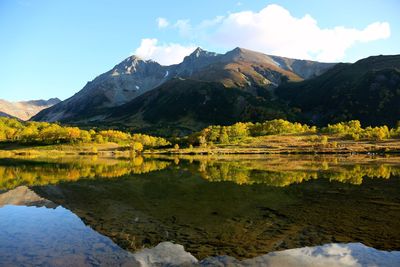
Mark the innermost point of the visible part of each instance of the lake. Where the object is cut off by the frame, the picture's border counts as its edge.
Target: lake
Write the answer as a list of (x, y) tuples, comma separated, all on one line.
[(293, 210)]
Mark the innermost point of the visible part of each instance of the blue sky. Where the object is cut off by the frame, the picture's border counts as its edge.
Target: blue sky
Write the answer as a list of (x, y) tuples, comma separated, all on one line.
[(51, 48)]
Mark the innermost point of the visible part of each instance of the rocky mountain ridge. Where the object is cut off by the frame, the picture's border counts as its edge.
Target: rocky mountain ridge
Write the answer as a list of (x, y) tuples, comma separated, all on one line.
[(133, 77)]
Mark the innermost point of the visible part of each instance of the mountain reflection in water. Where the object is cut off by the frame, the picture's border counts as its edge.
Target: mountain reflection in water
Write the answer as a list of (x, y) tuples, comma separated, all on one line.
[(240, 206), (33, 236)]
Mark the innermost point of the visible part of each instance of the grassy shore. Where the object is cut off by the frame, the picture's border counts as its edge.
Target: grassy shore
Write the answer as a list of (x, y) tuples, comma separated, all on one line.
[(292, 144), (271, 144), (106, 150)]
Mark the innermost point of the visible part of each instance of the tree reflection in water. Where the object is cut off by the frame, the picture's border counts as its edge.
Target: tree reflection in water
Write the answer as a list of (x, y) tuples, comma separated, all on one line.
[(274, 171)]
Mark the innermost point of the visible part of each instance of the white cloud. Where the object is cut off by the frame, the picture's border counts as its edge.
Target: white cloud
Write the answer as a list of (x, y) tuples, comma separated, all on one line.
[(374, 31), (165, 54), (162, 22), (273, 30), (184, 27), (210, 22)]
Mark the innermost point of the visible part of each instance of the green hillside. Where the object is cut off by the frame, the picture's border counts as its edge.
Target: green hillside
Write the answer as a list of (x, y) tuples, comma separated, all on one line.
[(368, 90), (189, 105)]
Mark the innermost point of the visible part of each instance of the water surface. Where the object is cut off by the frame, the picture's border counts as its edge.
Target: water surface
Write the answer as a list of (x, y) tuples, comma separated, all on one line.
[(243, 207)]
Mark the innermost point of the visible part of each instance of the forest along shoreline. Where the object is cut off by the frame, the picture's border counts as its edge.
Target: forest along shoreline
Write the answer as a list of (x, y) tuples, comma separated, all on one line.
[(269, 137)]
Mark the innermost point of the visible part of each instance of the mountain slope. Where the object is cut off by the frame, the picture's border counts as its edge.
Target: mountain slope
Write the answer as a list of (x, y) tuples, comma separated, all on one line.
[(245, 69), (3, 114), (125, 81), (24, 110), (187, 105), (368, 90), (239, 68)]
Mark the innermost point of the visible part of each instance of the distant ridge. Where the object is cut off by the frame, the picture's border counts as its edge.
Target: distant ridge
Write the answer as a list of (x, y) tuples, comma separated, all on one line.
[(24, 110), (3, 114)]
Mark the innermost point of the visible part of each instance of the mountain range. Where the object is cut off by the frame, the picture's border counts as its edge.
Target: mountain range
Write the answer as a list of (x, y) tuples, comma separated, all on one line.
[(368, 90), (24, 110), (250, 77), (240, 85)]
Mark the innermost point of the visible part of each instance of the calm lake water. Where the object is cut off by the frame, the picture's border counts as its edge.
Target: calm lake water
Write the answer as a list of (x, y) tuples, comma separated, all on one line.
[(200, 210)]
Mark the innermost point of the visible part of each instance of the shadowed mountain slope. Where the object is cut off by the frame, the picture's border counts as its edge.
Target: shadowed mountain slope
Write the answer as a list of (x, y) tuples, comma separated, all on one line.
[(368, 90)]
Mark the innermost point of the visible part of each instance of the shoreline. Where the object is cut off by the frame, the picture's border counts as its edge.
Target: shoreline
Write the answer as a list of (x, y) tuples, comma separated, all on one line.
[(266, 152), (274, 144), (173, 152)]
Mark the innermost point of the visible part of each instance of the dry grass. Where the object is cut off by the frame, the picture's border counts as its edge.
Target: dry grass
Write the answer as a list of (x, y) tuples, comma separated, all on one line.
[(50, 151), (302, 144)]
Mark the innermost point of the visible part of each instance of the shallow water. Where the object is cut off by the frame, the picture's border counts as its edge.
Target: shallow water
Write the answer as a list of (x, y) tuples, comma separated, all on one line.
[(96, 211), (43, 236)]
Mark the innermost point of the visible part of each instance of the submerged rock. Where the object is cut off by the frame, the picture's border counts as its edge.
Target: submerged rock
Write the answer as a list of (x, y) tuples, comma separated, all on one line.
[(164, 254)]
